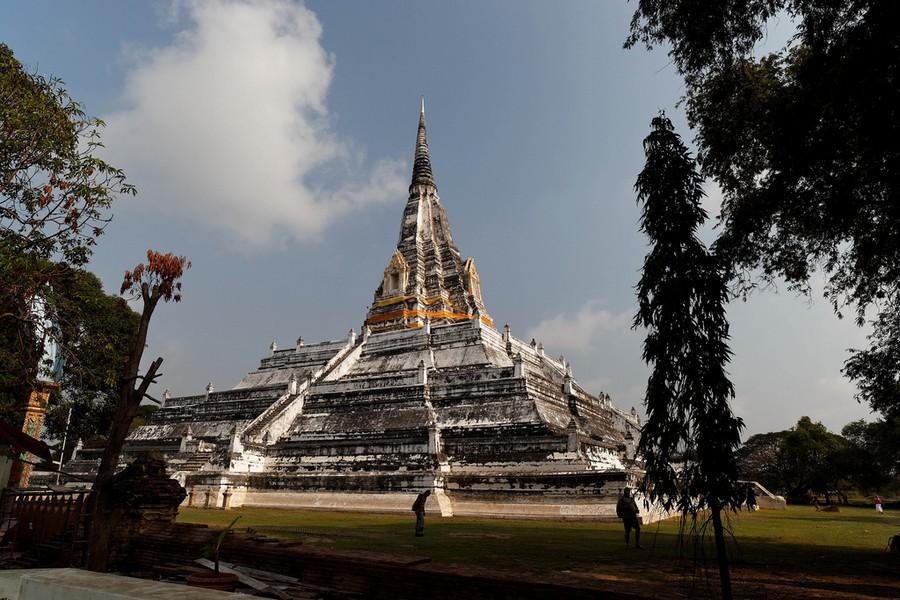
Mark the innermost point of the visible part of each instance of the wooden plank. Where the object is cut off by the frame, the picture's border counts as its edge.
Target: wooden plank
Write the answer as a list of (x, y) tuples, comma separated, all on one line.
[(245, 579), (266, 574)]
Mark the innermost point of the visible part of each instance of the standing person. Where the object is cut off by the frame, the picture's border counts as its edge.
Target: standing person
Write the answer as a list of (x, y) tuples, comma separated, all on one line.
[(418, 507), (627, 510), (878, 507), (751, 497)]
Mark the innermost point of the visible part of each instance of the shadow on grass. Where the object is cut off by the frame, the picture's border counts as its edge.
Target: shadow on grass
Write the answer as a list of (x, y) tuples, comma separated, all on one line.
[(553, 546)]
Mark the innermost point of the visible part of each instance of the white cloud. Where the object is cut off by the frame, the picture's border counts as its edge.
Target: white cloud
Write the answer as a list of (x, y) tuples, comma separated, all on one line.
[(228, 125), (580, 331)]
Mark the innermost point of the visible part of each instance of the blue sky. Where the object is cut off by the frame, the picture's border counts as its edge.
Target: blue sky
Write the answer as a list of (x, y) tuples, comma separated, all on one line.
[(271, 143)]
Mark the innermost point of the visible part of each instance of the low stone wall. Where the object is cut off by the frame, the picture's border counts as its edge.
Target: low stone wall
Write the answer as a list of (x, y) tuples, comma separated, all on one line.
[(468, 506), (398, 502)]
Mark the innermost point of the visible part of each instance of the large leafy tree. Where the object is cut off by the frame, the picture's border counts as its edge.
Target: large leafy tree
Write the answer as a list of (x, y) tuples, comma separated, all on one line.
[(878, 443), (54, 198), (759, 459), (97, 331), (682, 296), (813, 459), (805, 144), (809, 458)]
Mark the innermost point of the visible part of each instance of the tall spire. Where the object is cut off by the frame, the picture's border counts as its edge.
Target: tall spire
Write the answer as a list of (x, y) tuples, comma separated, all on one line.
[(422, 162), (426, 279)]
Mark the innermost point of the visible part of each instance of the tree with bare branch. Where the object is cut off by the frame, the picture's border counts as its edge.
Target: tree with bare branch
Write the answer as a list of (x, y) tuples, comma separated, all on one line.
[(158, 279)]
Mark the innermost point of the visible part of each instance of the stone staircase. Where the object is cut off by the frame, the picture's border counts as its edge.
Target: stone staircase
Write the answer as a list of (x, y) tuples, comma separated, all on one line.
[(255, 430), (278, 418), (191, 462), (766, 499)]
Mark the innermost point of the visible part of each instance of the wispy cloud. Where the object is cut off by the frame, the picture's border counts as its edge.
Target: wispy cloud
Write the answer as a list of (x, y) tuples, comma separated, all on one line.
[(579, 331), (228, 126)]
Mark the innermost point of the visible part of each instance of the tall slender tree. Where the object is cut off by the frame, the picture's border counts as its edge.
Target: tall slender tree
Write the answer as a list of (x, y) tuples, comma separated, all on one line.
[(158, 279), (682, 295)]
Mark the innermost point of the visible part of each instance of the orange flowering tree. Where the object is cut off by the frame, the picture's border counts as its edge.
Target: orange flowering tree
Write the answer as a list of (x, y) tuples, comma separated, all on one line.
[(157, 279)]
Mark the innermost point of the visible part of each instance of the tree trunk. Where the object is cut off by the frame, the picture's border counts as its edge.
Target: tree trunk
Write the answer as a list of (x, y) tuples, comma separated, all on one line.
[(130, 396), (721, 553)]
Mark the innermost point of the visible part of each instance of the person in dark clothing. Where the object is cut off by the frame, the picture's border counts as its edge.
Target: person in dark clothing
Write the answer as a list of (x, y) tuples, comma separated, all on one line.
[(751, 497), (627, 510), (418, 507)]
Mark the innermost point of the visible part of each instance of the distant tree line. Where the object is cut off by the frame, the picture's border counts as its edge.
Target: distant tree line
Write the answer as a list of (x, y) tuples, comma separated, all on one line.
[(807, 459)]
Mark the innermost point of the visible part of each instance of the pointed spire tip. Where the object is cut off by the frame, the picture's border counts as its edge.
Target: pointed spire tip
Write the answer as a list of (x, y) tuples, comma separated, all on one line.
[(421, 162)]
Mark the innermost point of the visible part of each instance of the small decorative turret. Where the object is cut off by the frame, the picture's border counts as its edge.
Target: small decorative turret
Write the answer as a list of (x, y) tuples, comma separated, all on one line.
[(167, 395), (426, 329), (366, 332), (235, 446), (629, 446), (476, 319), (273, 348), (209, 389), (292, 385), (351, 337), (572, 442), (422, 374), (299, 343), (506, 333), (518, 371)]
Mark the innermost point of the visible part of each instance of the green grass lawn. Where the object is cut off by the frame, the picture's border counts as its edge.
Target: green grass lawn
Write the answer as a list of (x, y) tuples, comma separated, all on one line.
[(796, 540)]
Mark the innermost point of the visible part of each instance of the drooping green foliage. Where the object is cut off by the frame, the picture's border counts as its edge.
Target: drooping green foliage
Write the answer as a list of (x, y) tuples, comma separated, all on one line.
[(682, 297), (681, 302), (805, 144)]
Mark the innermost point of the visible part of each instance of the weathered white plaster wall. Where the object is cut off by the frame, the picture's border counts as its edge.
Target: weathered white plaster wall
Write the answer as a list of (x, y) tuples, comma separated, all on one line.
[(75, 584)]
